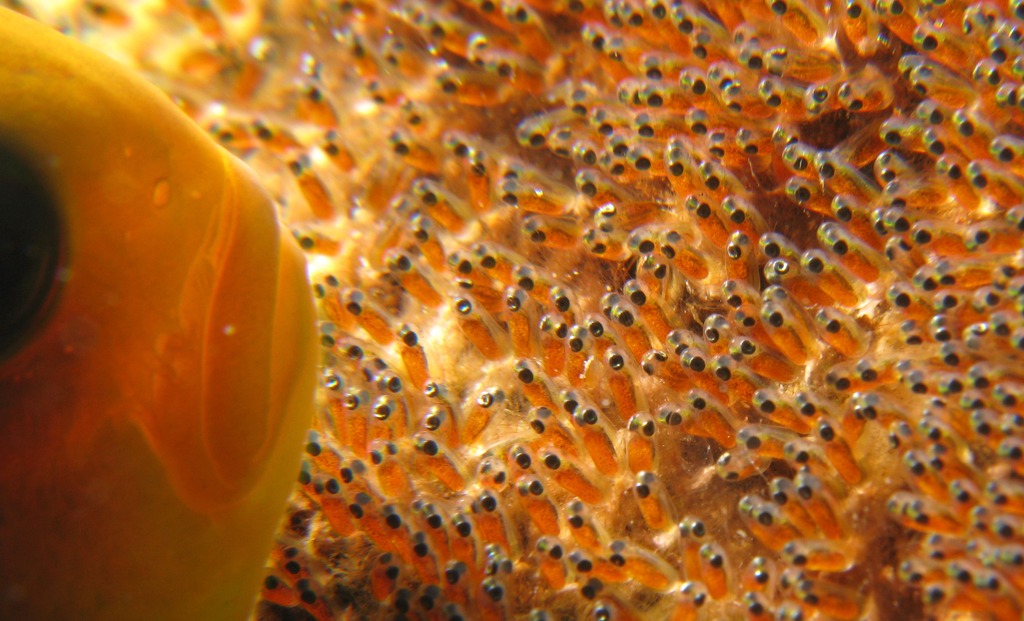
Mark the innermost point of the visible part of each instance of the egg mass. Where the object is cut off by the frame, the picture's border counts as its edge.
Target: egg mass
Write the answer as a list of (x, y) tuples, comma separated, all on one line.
[(631, 309)]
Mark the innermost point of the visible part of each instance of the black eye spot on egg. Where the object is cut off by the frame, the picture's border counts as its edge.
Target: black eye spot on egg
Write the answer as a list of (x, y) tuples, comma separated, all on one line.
[(31, 249)]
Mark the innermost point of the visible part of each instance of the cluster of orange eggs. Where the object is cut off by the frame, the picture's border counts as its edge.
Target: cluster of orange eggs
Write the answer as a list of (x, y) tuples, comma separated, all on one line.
[(642, 308)]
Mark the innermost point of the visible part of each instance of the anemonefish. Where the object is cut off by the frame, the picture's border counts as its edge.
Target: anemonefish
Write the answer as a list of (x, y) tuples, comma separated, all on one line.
[(157, 349)]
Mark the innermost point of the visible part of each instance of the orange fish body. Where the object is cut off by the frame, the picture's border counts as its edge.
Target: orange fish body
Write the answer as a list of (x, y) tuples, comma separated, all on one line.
[(157, 355)]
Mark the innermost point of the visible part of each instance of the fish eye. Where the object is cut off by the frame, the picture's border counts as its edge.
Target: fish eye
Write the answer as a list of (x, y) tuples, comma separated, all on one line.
[(31, 249)]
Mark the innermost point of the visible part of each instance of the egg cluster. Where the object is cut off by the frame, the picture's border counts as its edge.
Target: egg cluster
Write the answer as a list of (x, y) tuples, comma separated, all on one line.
[(641, 308)]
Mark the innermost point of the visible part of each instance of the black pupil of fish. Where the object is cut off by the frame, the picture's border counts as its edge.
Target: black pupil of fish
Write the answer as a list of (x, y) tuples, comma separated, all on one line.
[(31, 248)]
